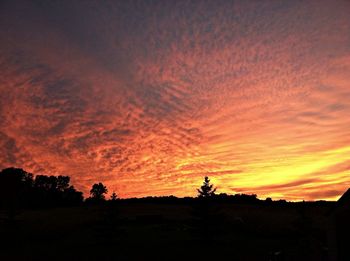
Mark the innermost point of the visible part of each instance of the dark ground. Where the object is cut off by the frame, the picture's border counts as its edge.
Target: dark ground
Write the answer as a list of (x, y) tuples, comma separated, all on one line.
[(153, 231)]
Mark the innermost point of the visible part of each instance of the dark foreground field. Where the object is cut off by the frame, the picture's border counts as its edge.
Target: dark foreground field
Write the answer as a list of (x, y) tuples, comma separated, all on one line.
[(153, 231)]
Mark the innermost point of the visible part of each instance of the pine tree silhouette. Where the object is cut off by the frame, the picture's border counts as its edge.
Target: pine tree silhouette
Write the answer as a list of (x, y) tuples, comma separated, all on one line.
[(206, 190)]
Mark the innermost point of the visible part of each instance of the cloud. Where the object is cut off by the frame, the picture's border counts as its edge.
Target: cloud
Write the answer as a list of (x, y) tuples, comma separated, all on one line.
[(149, 97)]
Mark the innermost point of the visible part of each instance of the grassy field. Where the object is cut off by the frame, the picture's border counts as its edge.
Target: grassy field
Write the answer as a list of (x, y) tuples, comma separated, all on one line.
[(149, 231)]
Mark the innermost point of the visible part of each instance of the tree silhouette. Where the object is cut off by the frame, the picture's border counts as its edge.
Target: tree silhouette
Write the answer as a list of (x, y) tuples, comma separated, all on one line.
[(114, 196), (206, 190), (62, 183), (46, 183), (97, 191), (18, 189), (14, 185), (71, 196)]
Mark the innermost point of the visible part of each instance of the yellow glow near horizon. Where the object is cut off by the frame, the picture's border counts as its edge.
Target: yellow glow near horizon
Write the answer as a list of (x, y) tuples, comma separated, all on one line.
[(245, 92)]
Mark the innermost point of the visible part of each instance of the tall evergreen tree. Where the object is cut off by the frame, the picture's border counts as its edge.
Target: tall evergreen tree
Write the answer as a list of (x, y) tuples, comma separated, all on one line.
[(207, 189)]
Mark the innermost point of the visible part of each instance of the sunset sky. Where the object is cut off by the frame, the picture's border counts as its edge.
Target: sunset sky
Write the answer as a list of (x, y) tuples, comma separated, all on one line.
[(149, 97)]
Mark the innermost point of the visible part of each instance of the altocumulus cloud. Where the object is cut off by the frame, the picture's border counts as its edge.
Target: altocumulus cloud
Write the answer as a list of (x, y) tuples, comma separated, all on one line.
[(149, 97)]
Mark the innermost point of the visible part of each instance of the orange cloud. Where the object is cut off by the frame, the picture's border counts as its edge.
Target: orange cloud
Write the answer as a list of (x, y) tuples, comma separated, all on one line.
[(150, 97)]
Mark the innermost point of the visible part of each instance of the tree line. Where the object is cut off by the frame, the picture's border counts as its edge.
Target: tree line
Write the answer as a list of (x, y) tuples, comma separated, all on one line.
[(19, 188)]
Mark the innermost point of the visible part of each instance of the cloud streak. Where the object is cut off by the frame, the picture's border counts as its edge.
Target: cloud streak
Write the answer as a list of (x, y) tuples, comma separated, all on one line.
[(149, 97)]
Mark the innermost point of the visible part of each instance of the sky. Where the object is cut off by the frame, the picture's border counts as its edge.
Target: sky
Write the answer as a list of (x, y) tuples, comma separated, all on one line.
[(149, 97)]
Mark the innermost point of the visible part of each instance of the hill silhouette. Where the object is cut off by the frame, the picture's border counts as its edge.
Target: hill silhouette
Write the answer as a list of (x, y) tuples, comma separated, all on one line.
[(46, 218)]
